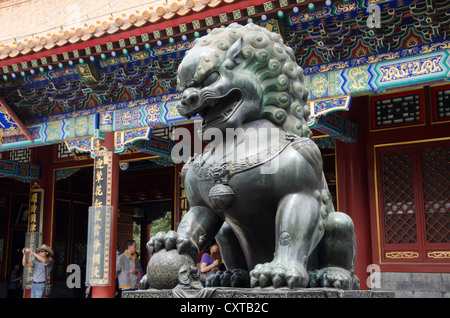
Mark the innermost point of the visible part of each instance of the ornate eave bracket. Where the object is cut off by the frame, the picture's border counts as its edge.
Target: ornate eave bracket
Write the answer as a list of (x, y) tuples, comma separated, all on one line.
[(124, 139), (154, 146), (135, 140), (83, 145), (324, 118)]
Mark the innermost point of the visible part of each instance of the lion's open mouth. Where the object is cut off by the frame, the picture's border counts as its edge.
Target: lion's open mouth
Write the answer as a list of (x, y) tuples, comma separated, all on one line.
[(217, 110)]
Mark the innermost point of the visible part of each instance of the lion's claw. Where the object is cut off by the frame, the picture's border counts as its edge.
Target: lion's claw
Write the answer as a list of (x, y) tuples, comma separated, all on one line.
[(229, 278), (184, 243), (278, 275), (334, 277), (172, 240), (156, 243)]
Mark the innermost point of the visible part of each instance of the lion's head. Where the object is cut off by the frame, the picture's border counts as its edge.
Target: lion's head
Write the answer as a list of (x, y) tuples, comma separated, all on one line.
[(241, 74)]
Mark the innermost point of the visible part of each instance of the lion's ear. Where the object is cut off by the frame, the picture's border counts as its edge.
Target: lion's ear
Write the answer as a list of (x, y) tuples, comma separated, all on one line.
[(234, 53)]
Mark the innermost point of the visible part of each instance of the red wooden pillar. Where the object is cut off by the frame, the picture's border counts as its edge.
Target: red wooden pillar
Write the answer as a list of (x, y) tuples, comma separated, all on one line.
[(40, 156), (109, 291), (353, 199)]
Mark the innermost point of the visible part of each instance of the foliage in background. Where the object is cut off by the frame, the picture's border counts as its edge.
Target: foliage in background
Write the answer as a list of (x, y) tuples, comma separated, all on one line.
[(161, 225)]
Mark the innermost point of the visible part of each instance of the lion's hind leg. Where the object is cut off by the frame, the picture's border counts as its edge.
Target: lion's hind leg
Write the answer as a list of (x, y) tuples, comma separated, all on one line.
[(299, 228), (336, 253)]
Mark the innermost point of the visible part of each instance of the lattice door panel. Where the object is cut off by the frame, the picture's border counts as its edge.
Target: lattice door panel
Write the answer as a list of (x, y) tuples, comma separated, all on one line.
[(398, 198), (436, 192), (414, 202)]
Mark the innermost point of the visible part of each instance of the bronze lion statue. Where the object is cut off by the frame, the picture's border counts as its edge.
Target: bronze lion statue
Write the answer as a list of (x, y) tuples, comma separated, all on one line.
[(260, 190)]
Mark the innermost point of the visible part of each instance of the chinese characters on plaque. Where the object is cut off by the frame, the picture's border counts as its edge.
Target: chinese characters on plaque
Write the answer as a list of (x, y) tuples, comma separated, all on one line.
[(33, 237), (36, 210), (99, 246), (102, 178), (100, 222), (184, 204)]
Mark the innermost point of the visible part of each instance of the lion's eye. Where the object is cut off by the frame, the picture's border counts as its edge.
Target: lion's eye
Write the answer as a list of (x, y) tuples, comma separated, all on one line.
[(190, 83), (211, 79)]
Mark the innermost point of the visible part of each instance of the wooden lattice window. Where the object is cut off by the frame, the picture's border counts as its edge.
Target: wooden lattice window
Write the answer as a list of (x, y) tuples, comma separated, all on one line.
[(20, 155), (399, 109), (414, 202), (441, 103), (62, 152)]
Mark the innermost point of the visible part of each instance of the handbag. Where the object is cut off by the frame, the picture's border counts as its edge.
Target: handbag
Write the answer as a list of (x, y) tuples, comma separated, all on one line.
[(48, 289), (204, 276)]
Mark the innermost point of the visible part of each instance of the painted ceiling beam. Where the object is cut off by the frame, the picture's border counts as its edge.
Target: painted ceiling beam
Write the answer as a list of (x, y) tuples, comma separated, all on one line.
[(19, 170), (155, 112)]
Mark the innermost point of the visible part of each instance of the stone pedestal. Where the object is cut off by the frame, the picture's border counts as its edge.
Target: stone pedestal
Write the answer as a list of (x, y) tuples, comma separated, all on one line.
[(221, 292)]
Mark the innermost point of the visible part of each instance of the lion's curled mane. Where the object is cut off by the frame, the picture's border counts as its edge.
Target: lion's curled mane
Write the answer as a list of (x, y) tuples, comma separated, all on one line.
[(273, 65)]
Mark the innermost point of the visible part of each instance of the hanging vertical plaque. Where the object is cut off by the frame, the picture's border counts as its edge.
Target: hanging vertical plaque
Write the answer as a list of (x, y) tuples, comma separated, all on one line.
[(33, 238), (99, 246), (36, 209), (100, 222), (102, 178), (184, 204)]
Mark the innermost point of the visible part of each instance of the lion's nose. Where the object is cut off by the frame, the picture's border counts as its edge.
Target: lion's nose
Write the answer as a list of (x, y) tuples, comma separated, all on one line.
[(189, 97)]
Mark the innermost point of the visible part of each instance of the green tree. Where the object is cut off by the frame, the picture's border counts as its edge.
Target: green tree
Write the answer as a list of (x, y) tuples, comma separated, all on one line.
[(161, 225)]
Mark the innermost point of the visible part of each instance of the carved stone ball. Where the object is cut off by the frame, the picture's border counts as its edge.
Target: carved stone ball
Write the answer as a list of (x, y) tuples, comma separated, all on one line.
[(163, 267)]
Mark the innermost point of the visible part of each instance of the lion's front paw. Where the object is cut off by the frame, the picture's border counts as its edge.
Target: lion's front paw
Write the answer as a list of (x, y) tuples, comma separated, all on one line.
[(278, 275), (229, 278), (170, 241), (162, 240), (335, 277)]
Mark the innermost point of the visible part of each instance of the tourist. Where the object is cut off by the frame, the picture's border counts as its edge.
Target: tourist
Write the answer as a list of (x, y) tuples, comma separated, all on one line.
[(42, 264), (127, 267), (210, 263)]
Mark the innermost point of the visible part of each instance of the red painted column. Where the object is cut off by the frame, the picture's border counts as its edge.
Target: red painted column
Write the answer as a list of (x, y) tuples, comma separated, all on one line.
[(43, 157), (353, 200), (109, 291), (353, 185)]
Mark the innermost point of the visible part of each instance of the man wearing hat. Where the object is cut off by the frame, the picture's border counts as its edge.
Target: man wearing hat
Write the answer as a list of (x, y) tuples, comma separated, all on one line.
[(43, 262)]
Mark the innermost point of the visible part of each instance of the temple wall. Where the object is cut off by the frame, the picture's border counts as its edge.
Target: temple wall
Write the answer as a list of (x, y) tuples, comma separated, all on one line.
[(417, 285)]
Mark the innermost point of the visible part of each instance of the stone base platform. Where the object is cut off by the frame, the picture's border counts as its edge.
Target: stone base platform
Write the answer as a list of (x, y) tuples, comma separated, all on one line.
[(222, 292)]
